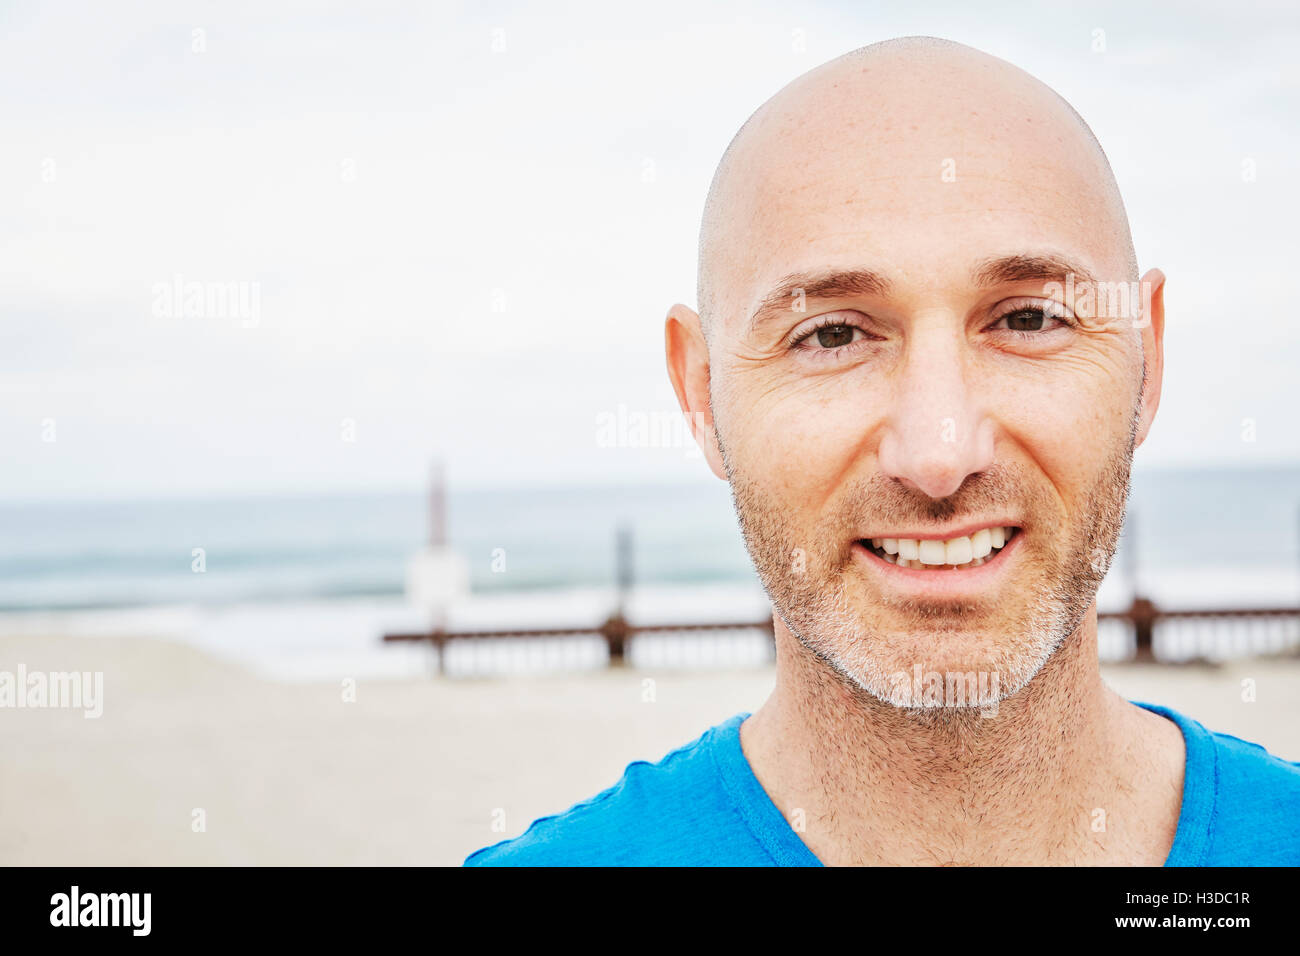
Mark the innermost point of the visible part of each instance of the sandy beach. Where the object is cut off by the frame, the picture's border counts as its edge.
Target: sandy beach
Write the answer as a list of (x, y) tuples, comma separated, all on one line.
[(410, 771)]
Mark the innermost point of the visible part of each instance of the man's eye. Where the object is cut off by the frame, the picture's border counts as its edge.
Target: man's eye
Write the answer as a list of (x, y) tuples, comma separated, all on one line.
[(1029, 320), (834, 336), (833, 339)]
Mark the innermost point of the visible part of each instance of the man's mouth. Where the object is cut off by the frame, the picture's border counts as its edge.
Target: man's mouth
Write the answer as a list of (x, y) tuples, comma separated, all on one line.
[(952, 554)]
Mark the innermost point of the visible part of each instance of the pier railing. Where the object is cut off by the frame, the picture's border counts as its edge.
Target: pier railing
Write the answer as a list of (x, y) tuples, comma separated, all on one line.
[(1142, 632)]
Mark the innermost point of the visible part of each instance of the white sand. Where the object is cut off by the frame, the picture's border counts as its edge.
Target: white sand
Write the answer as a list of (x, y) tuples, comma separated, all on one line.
[(413, 772)]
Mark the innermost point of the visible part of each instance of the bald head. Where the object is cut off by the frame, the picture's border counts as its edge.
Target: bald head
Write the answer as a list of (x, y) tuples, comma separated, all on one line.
[(905, 129)]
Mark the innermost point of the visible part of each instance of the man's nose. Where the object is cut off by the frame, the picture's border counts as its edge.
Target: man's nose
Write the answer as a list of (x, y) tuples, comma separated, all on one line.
[(937, 430)]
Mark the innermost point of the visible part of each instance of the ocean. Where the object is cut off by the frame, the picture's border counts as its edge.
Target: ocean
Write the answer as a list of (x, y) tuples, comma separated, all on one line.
[(303, 586)]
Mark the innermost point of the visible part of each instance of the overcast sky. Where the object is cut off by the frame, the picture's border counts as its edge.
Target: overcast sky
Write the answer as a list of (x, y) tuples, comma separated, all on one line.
[(457, 228)]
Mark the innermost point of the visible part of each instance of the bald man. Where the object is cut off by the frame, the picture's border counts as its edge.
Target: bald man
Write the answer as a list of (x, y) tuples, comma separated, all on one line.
[(923, 360)]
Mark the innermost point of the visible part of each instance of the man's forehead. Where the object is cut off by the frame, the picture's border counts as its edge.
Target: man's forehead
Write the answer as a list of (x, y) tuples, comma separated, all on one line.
[(894, 212)]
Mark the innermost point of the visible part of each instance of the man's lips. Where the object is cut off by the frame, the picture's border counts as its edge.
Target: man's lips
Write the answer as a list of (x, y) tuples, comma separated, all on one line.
[(969, 582), (930, 553)]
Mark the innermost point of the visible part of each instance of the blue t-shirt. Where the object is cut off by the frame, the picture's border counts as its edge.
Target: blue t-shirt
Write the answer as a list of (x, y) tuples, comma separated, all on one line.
[(701, 805)]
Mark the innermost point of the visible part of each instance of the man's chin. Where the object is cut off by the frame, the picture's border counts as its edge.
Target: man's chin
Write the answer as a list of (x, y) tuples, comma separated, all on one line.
[(944, 668)]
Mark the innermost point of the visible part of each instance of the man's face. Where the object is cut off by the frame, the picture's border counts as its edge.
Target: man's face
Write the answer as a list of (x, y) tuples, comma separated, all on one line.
[(944, 393)]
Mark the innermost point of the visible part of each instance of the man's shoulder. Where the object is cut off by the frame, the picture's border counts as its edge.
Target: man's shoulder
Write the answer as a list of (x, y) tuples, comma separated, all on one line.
[(658, 813), (1249, 797), (1256, 819), (1254, 777)]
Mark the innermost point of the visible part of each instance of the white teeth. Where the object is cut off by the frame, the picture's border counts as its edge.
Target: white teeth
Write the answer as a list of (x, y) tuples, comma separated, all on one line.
[(931, 551), (957, 551), (967, 551)]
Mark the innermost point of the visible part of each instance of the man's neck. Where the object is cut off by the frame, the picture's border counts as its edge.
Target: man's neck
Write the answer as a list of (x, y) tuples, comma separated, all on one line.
[(1065, 772)]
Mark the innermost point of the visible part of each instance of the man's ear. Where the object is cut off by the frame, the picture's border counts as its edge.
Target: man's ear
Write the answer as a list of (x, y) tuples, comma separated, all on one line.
[(1153, 346), (688, 367)]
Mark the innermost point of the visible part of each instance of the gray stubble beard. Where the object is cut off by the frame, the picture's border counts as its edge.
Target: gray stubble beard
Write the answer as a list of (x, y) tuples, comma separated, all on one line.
[(816, 607)]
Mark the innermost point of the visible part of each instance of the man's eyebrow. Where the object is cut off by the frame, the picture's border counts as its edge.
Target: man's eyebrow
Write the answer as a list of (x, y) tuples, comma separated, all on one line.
[(833, 284), (1023, 268)]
